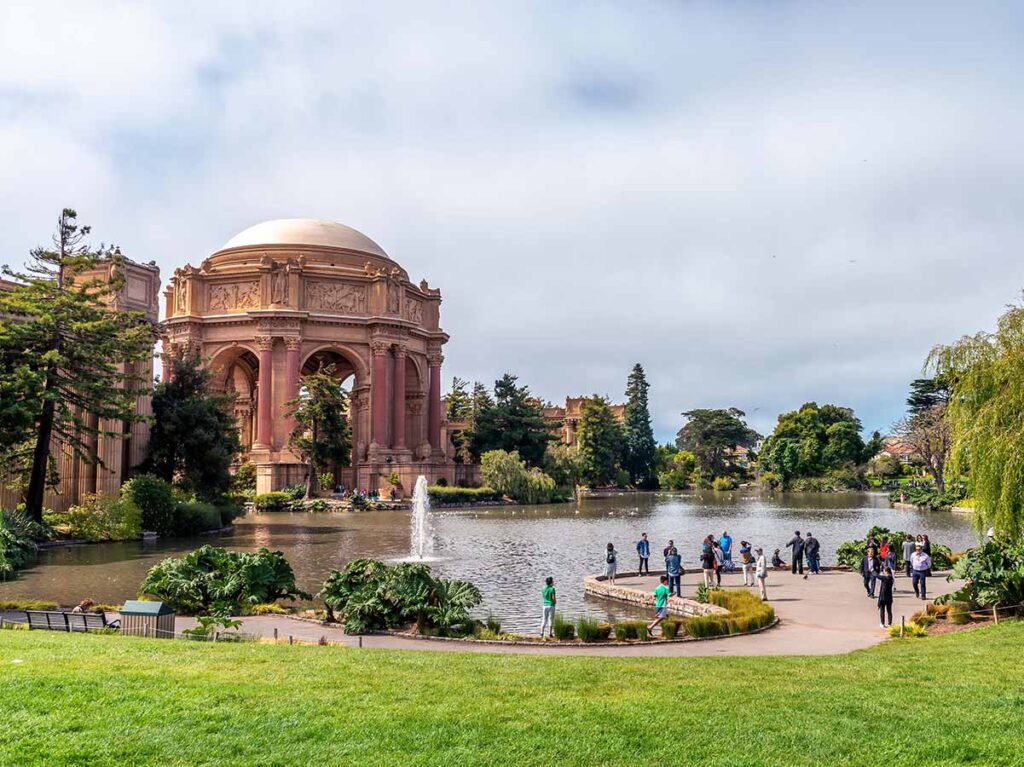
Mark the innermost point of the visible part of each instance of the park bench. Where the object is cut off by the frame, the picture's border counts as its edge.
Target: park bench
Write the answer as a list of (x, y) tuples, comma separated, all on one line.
[(59, 620)]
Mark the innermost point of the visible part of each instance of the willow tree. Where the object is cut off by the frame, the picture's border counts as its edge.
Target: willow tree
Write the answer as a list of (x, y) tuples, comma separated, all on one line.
[(68, 355), (321, 434), (986, 418)]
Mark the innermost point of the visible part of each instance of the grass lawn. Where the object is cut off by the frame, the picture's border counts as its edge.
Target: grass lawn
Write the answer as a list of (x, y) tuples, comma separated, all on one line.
[(112, 700)]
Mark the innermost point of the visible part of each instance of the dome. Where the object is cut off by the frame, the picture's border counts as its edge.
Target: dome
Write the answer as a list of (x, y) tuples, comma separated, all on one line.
[(305, 231)]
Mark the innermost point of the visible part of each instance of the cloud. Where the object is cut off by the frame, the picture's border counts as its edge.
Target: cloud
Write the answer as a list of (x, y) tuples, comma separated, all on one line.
[(762, 204)]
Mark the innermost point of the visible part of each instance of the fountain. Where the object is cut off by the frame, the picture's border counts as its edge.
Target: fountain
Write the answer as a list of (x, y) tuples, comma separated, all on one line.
[(422, 535)]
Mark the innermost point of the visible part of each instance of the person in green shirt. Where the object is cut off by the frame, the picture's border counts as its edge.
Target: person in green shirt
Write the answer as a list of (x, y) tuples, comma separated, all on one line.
[(661, 594), (547, 595)]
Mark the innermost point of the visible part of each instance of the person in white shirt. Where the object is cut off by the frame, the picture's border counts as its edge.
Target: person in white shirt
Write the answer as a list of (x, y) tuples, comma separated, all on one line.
[(921, 566), (761, 570)]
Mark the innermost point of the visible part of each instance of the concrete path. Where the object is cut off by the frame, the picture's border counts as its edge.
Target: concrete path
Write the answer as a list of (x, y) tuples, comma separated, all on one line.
[(825, 614)]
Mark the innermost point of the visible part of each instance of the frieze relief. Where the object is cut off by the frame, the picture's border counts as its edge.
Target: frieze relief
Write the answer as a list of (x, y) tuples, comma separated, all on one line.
[(336, 297), (413, 310), (234, 296)]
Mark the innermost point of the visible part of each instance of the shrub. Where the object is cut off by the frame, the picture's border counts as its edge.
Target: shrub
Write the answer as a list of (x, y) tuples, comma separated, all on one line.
[(563, 630), (17, 545), (922, 618), (702, 593), (211, 579), (746, 613), (959, 613), (642, 632), (155, 498), (266, 608), (195, 518), (244, 480), (590, 630), (28, 604), (99, 518), (994, 573), (927, 497), (911, 631), (440, 495), (510, 476), (701, 626), (850, 553), (274, 501), (293, 492), (724, 483), (229, 511), (493, 624), (370, 595), (325, 482), (317, 505), (621, 631), (670, 629)]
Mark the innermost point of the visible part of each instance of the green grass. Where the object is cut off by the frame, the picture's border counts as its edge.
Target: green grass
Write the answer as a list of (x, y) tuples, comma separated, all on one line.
[(116, 700)]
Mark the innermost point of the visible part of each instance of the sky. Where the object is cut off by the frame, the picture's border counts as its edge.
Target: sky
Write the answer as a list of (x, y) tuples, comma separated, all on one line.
[(763, 203)]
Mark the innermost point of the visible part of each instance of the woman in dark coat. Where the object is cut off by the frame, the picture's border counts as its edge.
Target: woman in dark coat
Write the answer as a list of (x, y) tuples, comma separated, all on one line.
[(885, 584)]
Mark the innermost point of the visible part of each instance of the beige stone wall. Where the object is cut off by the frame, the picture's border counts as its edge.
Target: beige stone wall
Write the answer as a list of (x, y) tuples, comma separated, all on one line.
[(598, 586)]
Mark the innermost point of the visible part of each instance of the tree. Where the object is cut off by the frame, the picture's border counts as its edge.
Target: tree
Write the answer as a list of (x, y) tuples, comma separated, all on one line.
[(814, 441), (513, 421), (985, 373), (600, 441), (709, 434), (639, 448), (321, 434), (678, 474), (562, 463), (194, 438), (68, 355), (926, 393), (459, 409), (928, 433)]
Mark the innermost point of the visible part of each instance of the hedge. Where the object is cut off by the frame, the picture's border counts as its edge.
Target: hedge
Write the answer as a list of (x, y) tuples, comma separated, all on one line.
[(443, 495), (746, 613)]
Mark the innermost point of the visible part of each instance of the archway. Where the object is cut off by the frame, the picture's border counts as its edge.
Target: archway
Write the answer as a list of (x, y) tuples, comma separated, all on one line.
[(346, 370), (236, 371)]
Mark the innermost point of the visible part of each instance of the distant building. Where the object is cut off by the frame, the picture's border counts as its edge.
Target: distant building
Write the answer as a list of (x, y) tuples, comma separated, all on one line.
[(903, 452), (565, 420)]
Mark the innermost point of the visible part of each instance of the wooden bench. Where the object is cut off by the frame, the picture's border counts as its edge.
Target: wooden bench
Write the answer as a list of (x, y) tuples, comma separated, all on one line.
[(59, 620)]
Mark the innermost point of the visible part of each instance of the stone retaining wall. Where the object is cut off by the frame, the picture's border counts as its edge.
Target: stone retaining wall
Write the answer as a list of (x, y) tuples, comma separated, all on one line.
[(598, 586)]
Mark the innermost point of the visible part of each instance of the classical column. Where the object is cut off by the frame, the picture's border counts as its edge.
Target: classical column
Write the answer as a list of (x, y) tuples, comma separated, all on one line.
[(291, 381), (434, 360), (264, 401), (378, 392), (398, 399)]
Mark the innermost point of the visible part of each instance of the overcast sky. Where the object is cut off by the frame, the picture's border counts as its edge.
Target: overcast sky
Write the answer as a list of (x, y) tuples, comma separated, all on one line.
[(763, 203)]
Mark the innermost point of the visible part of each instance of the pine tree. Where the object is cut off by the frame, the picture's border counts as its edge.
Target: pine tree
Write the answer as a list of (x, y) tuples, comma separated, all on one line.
[(513, 421), (640, 449), (194, 438), (322, 434), (599, 437), (68, 355)]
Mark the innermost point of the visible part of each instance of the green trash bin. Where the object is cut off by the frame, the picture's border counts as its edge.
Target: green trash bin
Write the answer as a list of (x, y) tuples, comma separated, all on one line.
[(149, 619)]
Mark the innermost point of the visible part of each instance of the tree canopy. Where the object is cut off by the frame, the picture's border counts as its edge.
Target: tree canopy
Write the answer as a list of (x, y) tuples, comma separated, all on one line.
[(321, 435), (600, 443), (812, 441), (710, 435), (925, 427), (68, 357), (985, 415), (639, 448), (194, 438), (512, 421)]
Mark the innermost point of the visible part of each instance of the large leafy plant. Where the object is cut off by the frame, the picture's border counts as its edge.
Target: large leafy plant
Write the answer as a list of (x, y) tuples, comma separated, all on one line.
[(850, 553), (994, 573), (214, 580), (370, 595)]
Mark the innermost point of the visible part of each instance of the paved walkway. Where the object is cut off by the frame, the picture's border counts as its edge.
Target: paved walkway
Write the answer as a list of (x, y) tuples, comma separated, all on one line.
[(825, 614)]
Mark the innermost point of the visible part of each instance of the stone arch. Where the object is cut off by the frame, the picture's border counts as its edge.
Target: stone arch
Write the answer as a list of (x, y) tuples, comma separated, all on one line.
[(350, 355), (235, 369)]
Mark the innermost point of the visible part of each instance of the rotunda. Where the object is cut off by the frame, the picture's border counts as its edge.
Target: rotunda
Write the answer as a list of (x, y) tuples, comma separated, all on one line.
[(283, 297)]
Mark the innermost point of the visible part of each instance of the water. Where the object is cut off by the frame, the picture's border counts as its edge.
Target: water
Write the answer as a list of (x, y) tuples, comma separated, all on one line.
[(507, 551), (422, 533)]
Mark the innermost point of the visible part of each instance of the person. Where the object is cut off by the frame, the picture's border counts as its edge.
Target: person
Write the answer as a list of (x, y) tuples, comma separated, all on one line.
[(883, 550), (716, 549), (726, 543), (812, 550), (610, 558), (550, 599), (643, 550), (674, 570), (885, 584), (85, 606), (889, 560), (927, 544), (707, 564), (746, 562), (870, 567), (797, 543), (921, 565), (761, 570), (908, 551), (667, 549), (777, 562), (661, 595)]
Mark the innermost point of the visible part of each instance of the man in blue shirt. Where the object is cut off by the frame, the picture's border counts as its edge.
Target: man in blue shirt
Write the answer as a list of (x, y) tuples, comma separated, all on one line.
[(726, 543), (673, 566), (643, 550)]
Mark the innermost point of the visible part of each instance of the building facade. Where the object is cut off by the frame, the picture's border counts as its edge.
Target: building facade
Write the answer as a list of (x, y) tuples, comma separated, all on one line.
[(283, 298), (565, 420)]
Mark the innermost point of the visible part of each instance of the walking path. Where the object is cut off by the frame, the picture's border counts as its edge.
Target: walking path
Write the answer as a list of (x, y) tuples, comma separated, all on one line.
[(825, 614)]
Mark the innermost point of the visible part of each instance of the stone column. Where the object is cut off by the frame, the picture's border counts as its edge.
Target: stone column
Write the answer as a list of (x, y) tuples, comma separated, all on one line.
[(291, 381), (264, 401), (434, 360), (378, 392), (398, 400)]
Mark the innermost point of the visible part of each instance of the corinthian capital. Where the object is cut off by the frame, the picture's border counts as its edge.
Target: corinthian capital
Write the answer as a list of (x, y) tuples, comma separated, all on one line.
[(292, 343), (379, 347), (264, 343)]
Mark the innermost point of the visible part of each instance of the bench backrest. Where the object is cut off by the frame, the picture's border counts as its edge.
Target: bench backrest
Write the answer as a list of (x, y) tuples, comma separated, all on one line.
[(86, 621), (55, 620)]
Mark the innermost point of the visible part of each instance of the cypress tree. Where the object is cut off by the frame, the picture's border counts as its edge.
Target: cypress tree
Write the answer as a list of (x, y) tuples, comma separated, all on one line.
[(640, 450)]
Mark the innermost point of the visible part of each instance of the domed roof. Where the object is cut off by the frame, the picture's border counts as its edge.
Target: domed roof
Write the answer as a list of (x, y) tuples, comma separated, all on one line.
[(305, 231)]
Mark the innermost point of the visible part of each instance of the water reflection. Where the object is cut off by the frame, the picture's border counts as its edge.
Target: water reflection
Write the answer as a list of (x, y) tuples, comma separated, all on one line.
[(506, 551)]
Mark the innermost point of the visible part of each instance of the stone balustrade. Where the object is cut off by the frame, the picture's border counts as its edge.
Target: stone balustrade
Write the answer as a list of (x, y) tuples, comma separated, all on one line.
[(598, 586)]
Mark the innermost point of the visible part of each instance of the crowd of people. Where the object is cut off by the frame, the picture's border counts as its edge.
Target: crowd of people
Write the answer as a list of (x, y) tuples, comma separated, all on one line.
[(878, 568)]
